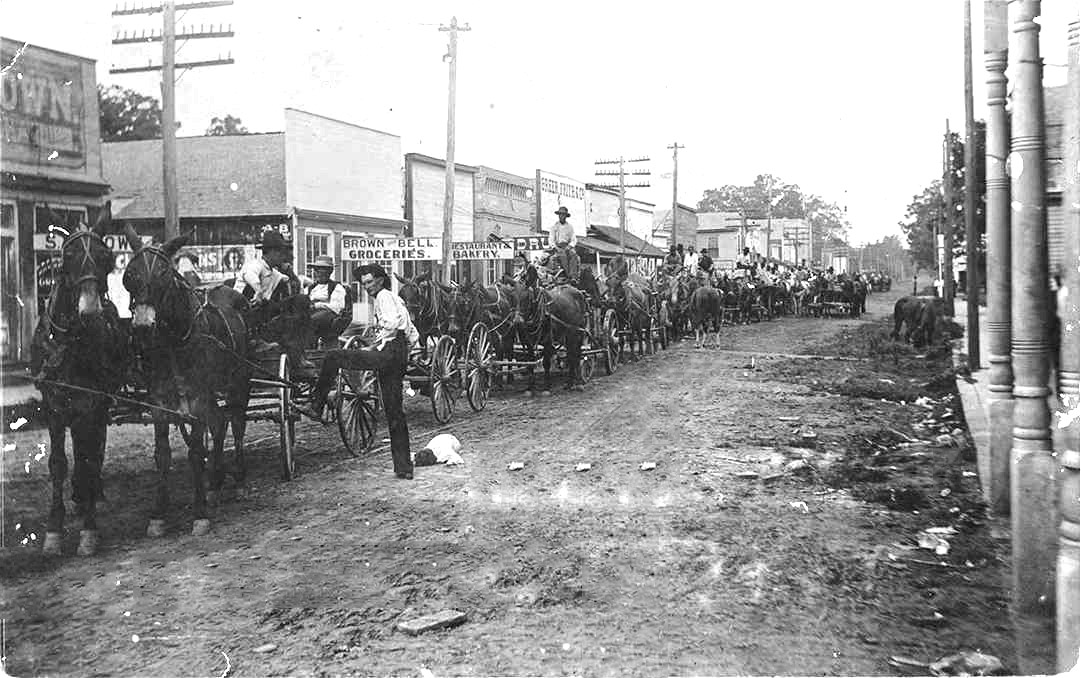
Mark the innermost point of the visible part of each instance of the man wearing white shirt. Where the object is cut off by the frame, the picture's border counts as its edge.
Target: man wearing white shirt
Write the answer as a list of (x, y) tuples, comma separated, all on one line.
[(563, 240), (690, 261), (393, 334), (329, 300), (259, 278)]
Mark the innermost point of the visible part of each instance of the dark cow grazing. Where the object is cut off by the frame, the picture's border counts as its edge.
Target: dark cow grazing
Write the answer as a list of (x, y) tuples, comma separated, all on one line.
[(922, 318), (706, 309)]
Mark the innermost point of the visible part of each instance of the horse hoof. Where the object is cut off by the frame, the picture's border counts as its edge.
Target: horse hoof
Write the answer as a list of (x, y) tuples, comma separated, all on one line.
[(578, 387), (88, 542), (546, 393), (527, 393), (155, 528), (53, 541), (200, 528)]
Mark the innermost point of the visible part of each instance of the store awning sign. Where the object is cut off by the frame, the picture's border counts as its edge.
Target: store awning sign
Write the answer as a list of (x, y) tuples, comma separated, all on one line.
[(481, 251), (391, 249)]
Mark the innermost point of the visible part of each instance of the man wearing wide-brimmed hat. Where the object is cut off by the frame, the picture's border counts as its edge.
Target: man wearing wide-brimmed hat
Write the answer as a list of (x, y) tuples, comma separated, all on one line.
[(562, 240), (331, 310)]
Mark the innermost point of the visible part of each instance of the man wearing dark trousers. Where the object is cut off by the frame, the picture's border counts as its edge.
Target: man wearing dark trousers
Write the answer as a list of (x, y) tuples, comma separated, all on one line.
[(393, 332)]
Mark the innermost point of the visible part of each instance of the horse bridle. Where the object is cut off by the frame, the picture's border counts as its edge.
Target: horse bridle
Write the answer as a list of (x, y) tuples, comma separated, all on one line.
[(176, 281), (86, 239)]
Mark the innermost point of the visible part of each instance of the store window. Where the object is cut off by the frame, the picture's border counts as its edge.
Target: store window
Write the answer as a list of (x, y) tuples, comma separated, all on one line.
[(316, 244), (10, 302)]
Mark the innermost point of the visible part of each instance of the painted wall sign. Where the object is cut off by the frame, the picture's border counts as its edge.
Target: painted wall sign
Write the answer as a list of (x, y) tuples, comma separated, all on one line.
[(481, 250), (51, 242), (391, 249), (555, 191), (42, 108), (530, 243)]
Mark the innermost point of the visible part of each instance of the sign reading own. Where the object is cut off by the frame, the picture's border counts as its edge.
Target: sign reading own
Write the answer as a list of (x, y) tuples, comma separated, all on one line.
[(481, 250), (391, 249)]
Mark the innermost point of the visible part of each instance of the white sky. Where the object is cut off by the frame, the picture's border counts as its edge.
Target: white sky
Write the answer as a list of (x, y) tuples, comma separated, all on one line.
[(848, 98)]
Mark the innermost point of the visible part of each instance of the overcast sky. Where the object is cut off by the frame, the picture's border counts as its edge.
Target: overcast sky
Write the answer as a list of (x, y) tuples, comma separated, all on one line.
[(847, 98)]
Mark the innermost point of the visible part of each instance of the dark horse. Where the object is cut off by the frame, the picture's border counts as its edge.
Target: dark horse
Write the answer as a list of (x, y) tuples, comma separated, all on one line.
[(548, 317), (79, 341), (633, 301), (189, 353), (428, 303)]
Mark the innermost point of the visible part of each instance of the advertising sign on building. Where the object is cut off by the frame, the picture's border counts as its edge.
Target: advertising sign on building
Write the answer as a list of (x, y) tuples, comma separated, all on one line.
[(481, 251), (41, 109), (52, 242), (555, 191), (391, 249)]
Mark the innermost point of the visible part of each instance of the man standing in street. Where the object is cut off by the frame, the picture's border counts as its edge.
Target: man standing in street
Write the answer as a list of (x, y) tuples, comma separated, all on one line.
[(563, 240), (387, 356)]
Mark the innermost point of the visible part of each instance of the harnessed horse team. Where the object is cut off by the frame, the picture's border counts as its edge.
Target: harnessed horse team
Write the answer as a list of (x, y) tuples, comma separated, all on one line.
[(190, 352)]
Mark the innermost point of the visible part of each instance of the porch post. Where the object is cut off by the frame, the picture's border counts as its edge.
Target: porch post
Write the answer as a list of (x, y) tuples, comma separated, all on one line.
[(1034, 512), (1000, 406)]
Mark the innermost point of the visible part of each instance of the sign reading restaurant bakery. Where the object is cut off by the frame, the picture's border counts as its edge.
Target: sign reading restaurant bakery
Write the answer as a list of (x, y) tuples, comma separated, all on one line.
[(356, 248), (42, 105), (481, 251), (555, 191)]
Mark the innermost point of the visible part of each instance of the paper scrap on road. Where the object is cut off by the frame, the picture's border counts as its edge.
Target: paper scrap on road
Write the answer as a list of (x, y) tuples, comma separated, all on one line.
[(263, 649), (18, 423), (430, 622), (647, 466), (515, 466), (799, 506), (583, 467)]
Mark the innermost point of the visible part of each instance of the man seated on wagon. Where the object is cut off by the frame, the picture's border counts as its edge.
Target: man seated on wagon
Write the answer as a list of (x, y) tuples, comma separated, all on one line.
[(331, 303), (562, 240), (673, 262), (705, 267)]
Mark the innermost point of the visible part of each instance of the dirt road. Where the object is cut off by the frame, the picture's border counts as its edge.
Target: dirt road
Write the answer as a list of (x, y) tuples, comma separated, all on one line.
[(810, 565)]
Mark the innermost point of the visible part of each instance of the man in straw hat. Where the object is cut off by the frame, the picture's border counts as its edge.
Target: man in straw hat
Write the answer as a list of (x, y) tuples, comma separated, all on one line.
[(331, 303), (562, 240)]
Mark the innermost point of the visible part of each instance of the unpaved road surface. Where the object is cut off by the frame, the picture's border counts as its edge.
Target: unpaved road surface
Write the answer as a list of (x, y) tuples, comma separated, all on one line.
[(689, 568)]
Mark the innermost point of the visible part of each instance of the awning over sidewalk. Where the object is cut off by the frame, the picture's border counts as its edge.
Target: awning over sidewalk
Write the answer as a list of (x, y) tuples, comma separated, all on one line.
[(634, 246), (349, 222)]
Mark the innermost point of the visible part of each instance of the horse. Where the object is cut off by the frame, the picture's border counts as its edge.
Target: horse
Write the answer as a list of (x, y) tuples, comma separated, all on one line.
[(633, 301), (189, 353), (428, 303), (547, 317), (80, 342), (706, 307), (920, 316)]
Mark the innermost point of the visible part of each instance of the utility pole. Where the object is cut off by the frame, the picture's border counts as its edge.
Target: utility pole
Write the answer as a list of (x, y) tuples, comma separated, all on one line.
[(168, 37), (675, 199), (948, 224), (972, 273), (622, 186), (769, 217), (448, 199)]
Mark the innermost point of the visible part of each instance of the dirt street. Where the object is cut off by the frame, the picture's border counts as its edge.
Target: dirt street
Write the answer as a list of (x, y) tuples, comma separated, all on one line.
[(749, 549)]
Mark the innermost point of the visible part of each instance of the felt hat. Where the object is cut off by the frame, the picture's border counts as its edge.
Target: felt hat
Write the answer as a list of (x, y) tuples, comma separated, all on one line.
[(322, 261), (563, 210)]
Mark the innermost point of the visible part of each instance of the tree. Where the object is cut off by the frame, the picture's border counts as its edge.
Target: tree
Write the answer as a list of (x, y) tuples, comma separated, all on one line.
[(928, 208), (789, 202), (227, 126), (126, 115)]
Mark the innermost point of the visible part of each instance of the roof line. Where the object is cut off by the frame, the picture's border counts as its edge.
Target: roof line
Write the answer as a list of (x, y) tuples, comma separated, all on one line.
[(48, 49), (344, 122)]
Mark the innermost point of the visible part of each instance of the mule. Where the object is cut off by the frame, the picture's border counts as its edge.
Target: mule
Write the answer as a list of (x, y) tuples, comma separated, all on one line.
[(79, 341), (632, 298), (706, 309), (189, 353), (548, 317)]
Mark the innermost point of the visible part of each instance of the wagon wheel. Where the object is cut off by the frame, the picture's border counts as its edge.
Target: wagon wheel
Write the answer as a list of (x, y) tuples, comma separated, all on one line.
[(356, 409), (443, 374), (286, 421), (479, 356), (665, 323), (609, 339)]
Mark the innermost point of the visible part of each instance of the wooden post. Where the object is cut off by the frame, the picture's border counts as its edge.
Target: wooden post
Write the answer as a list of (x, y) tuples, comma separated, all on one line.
[(972, 269), (948, 224), (1068, 620), (675, 195), (1000, 383), (168, 118), (448, 198), (1034, 515), (622, 205)]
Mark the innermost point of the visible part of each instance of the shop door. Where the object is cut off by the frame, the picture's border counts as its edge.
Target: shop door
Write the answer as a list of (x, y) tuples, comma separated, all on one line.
[(10, 302)]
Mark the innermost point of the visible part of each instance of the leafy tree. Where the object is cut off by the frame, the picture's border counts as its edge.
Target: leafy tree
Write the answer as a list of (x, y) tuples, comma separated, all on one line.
[(220, 127), (789, 202), (928, 207), (126, 115)]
